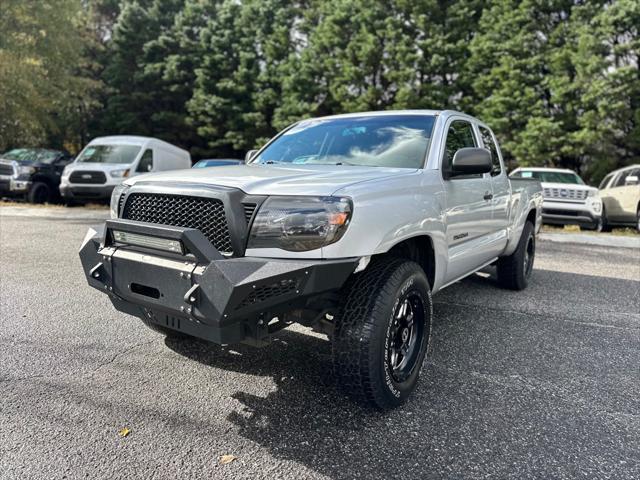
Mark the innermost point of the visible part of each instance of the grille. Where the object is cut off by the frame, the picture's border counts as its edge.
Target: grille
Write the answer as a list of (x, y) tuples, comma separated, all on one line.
[(249, 208), (564, 213), (84, 176), (565, 193), (204, 214), (6, 169), (265, 292)]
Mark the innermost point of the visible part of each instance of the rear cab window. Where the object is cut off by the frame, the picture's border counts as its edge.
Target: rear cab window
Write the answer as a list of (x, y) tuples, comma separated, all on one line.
[(490, 144)]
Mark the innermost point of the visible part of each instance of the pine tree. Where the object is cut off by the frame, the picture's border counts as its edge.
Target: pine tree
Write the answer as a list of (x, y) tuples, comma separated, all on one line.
[(237, 86)]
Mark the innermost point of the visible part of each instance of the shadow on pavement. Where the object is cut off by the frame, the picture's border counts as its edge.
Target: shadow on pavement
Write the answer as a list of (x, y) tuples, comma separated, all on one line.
[(511, 389)]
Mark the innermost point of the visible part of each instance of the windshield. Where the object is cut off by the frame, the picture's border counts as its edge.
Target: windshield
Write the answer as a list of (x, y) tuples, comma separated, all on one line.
[(31, 155), (109, 154), (550, 177), (375, 141)]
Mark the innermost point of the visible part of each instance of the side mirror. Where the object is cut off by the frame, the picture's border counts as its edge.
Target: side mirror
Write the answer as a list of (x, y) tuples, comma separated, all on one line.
[(631, 180), (250, 154), (471, 161)]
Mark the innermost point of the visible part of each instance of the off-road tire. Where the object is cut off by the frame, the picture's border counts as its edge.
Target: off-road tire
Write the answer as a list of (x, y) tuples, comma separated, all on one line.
[(514, 271), (39, 192), (367, 322)]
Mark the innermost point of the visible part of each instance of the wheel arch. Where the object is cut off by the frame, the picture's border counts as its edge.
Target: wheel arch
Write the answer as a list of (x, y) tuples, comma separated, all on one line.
[(531, 216), (44, 179), (419, 249)]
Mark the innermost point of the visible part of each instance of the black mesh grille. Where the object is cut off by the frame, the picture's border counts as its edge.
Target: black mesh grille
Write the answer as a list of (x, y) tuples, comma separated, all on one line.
[(265, 292), (6, 169), (84, 176), (204, 214)]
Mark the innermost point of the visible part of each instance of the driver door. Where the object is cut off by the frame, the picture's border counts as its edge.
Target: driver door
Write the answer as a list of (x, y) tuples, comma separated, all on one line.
[(469, 207)]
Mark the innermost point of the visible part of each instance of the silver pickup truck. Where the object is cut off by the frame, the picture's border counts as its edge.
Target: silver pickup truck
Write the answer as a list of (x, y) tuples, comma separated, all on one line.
[(348, 224)]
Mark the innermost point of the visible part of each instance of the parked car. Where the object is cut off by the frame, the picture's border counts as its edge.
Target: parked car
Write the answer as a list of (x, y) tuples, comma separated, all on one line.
[(217, 162), (106, 161), (567, 199), (620, 192), (347, 223), (32, 173)]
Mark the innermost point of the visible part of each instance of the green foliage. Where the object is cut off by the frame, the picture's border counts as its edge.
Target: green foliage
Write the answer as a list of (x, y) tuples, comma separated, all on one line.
[(43, 87), (238, 82), (558, 80)]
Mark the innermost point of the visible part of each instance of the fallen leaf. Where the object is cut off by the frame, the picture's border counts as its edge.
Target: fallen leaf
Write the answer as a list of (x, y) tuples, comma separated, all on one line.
[(123, 432), (224, 459)]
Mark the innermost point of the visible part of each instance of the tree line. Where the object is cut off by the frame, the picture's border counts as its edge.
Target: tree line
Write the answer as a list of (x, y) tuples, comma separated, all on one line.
[(557, 80)]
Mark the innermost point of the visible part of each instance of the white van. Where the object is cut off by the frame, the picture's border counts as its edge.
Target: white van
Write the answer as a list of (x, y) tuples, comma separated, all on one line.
[(106, 161)]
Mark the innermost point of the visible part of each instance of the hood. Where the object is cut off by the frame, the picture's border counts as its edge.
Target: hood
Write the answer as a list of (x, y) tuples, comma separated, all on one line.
[(276, 179), (567, 186)]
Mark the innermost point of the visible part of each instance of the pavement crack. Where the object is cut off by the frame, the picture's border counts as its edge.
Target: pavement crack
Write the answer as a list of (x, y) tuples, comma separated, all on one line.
[(91, 372)]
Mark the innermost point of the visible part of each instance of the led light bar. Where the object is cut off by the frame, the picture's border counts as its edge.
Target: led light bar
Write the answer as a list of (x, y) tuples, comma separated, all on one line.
[(174, 246)]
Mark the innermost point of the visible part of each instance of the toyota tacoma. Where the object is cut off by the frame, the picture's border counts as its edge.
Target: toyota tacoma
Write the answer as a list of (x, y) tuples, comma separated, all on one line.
[(347, 224)]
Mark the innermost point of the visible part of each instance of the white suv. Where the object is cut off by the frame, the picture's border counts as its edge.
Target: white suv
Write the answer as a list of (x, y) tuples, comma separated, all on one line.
[(567, 199)]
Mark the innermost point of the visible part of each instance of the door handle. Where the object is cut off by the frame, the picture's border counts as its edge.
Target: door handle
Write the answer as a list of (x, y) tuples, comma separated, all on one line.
[(488, 196)]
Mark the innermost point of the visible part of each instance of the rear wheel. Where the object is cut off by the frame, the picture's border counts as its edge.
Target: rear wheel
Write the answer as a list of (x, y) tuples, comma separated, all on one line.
[(515, 270), (382, 332), (638, 220), (39, 193)]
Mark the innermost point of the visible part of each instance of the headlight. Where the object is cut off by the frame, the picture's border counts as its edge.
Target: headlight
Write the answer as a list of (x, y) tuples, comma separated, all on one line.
[(22, 170), (115, 199), (124, 173), (66, 170), (593, 193), (298, 224)]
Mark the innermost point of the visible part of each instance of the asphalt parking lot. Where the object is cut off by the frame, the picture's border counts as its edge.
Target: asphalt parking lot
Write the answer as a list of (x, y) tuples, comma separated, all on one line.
[(543, 383)]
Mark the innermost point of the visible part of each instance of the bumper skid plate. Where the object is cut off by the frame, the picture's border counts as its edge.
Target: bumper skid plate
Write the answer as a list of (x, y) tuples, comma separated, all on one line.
[(200, 292)]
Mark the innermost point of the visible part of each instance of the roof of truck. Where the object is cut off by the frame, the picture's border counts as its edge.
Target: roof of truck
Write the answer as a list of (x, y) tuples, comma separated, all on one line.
[(136, 140), (381, 113)]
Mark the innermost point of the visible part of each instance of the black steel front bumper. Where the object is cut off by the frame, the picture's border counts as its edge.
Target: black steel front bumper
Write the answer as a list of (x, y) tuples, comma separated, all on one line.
[(88, 192), (199, 292)]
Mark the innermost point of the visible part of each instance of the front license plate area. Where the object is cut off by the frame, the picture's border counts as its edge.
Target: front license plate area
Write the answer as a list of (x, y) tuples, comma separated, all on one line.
[(151, 279)]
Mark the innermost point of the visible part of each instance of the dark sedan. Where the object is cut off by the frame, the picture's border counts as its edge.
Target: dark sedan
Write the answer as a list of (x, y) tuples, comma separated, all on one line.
[(217, 162)]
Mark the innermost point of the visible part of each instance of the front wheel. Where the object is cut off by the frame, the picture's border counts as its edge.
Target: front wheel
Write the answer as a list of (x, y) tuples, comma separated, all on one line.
[(515, 270), (382, 332), (39, 193), (597, 225)]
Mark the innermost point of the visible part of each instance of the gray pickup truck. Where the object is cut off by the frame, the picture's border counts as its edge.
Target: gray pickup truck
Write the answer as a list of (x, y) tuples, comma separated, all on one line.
[(347, 224)]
